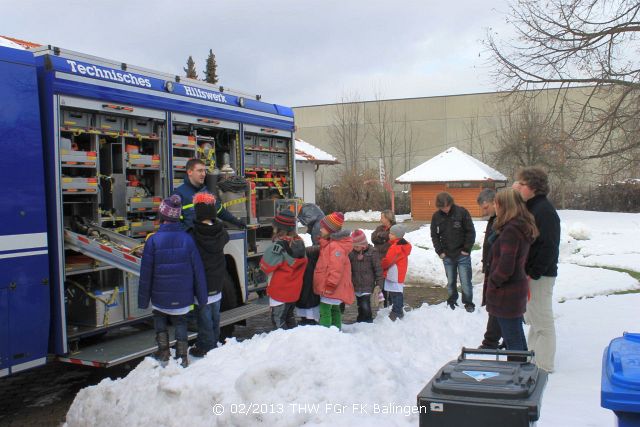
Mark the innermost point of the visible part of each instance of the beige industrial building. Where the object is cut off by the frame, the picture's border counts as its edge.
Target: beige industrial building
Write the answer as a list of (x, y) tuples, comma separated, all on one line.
[(416, 129)]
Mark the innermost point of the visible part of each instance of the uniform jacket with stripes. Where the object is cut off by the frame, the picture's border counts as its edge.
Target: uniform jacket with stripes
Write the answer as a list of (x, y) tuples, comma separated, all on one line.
[(186, 192)]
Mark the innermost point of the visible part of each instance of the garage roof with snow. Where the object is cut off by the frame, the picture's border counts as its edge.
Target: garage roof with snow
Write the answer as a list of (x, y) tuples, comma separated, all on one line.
[(451, 165), (306, 152)]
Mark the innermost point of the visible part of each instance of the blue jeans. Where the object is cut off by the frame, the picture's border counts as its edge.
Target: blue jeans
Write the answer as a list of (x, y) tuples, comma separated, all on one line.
[(208, 326), (462, 267), (513, 333), (179, 322), (397, 303)]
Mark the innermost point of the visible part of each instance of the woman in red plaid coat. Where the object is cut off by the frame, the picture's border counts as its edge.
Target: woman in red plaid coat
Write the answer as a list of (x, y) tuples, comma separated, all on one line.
[(508, 284)]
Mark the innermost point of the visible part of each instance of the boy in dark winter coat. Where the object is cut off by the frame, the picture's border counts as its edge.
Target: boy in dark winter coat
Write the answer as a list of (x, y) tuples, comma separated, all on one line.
[(366, 273), (171, 275), (395, 264), (210, 237), (332, 278), (308, 306), (284, 261)]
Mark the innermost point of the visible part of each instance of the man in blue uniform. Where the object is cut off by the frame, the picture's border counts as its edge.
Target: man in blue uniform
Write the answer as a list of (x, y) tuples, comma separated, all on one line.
[(194, 183)]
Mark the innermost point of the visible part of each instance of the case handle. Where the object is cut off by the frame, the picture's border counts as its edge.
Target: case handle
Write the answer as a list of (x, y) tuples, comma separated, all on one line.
[(495, 352)]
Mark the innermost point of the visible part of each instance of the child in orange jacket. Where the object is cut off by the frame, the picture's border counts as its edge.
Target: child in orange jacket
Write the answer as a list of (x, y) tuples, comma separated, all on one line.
[(395, 265), (332, 276)]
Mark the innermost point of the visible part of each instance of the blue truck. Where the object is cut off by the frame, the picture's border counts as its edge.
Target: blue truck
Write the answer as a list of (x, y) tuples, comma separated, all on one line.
[(88, 149)]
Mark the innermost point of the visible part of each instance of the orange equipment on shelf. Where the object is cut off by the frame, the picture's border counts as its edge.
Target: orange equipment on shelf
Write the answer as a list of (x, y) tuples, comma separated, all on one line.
[(252, 184)]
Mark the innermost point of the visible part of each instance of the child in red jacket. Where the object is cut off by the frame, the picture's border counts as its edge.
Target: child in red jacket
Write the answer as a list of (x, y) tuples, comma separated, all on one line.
[(284, 261), (395, 265), (332, 277)]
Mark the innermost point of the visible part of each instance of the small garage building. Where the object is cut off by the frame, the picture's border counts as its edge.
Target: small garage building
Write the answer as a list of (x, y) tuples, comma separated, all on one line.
[(455, 172)]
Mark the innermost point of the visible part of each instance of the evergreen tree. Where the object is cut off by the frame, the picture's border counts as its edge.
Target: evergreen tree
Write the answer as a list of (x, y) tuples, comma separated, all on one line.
[(191, 69), (210, 72)]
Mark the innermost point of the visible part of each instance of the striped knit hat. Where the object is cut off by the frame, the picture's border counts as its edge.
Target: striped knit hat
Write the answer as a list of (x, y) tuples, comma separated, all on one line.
[(170, 208), (359, 238), (204, 205), (285, 220), (332, 222)]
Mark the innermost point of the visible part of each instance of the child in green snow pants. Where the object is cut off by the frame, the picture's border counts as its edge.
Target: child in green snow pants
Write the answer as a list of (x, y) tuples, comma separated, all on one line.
[(330, 315)]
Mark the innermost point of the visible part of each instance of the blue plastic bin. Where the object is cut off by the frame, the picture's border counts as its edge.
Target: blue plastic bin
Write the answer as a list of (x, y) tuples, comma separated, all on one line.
[(621, 379)]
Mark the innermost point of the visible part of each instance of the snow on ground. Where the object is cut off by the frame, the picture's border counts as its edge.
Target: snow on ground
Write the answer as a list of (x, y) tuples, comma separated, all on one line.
[(370, 374), (371, 216), (352, 378), (613, 239)]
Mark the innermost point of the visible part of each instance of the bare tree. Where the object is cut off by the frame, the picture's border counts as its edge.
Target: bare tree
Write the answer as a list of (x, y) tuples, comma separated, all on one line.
[(382, 125), (478, 139), (528, 137), (348, 131), (408, 137), (567, 43)]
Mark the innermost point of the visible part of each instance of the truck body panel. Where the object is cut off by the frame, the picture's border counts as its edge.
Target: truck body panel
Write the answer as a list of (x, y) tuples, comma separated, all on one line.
[(93, 143)]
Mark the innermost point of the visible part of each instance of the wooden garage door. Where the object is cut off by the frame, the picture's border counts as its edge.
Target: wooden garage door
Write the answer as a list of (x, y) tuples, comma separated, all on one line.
[(423, 199)]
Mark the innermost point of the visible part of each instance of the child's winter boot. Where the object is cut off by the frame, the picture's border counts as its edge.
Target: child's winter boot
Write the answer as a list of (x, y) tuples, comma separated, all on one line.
[(162, 353), (182, 348)]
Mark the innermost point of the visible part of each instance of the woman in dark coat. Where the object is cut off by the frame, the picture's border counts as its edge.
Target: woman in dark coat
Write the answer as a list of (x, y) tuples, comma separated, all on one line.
[(508, 284)]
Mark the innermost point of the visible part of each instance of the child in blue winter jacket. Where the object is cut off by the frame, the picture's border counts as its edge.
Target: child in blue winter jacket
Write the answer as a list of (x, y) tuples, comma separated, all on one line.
[(171, 275)]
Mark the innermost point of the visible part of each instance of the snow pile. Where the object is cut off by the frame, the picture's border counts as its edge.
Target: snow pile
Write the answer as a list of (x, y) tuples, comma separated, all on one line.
[(351, 378), (579, 231), (371, 216), (362, 216)]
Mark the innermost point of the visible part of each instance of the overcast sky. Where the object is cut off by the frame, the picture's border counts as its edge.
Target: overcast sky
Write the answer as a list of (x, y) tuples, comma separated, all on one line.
[(292, 52)]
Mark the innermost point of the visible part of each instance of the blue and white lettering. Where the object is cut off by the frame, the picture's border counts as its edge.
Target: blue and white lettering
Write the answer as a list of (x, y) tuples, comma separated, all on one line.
[(204, 94), (107, 74)]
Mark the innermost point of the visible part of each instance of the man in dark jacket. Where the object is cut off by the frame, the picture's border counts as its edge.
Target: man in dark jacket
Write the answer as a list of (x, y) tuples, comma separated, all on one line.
[(210, 238), (453, 236), (542, 265), (194, 183), (486, 202)]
